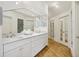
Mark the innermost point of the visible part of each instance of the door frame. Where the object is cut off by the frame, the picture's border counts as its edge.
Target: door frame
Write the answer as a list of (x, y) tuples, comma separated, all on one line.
[(52, 23), (74, 27), (69, 28), (1, 41)]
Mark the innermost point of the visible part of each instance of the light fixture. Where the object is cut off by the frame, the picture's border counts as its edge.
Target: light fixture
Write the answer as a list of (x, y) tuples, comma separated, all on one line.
[(17, 3), (55, 4)]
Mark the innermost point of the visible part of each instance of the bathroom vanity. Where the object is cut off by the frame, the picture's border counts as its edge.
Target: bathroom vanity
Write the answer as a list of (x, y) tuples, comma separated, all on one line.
[(25, 45), (23, 35)]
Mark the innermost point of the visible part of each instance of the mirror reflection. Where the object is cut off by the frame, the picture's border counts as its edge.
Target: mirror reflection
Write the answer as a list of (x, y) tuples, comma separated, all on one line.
[(20, 21)]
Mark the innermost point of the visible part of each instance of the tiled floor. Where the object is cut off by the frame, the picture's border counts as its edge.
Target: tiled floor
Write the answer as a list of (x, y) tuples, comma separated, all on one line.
[(54, 49)]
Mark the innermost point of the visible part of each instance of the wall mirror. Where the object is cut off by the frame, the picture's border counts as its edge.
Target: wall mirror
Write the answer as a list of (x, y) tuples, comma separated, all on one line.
[(17, 20)]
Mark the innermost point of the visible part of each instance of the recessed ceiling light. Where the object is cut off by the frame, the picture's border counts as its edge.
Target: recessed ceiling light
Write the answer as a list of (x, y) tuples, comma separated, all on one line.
[(56, 6), (17, 3)]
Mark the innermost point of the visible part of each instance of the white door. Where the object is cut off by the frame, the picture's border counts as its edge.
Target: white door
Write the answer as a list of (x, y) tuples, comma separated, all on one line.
[(1, 47), (75, 29), (62, 34), (26, 50), (64, 30), (52, 29), (76, 40)]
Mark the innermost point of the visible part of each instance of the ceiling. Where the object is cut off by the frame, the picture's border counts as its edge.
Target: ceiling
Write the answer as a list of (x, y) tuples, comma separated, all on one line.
[(52, 8), (58, 7), (35, 7), (25, 11)]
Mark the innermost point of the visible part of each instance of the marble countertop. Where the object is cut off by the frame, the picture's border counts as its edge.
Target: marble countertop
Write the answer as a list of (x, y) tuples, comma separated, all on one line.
[(20, 37)]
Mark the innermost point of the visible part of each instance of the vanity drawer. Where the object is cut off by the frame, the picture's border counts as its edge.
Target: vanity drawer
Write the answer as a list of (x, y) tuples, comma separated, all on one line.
[(21, 51), (40, 40), (12, 45), (13, 53), (40, 37), (37, 43)]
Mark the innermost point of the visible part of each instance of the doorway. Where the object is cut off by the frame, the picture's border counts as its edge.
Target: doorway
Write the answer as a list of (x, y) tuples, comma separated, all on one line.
[(52, 30), (64, 30)]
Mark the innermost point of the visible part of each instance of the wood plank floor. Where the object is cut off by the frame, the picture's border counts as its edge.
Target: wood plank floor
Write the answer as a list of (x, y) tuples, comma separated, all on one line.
[(54, 49)]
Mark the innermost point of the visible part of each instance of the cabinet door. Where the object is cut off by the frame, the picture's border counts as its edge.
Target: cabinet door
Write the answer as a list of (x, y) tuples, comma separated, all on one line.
[(39, 44), (13, 53), (26, 50), (22, 51)]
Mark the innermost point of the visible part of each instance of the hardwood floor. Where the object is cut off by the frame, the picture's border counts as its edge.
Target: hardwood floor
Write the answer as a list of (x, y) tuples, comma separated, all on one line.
[(55, 49)]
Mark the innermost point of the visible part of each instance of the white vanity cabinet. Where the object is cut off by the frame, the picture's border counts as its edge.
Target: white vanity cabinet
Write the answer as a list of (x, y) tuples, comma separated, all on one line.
[(26, 50), (38, 43), (13, 53), (27, 47), (21, 51), (18, 49)]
